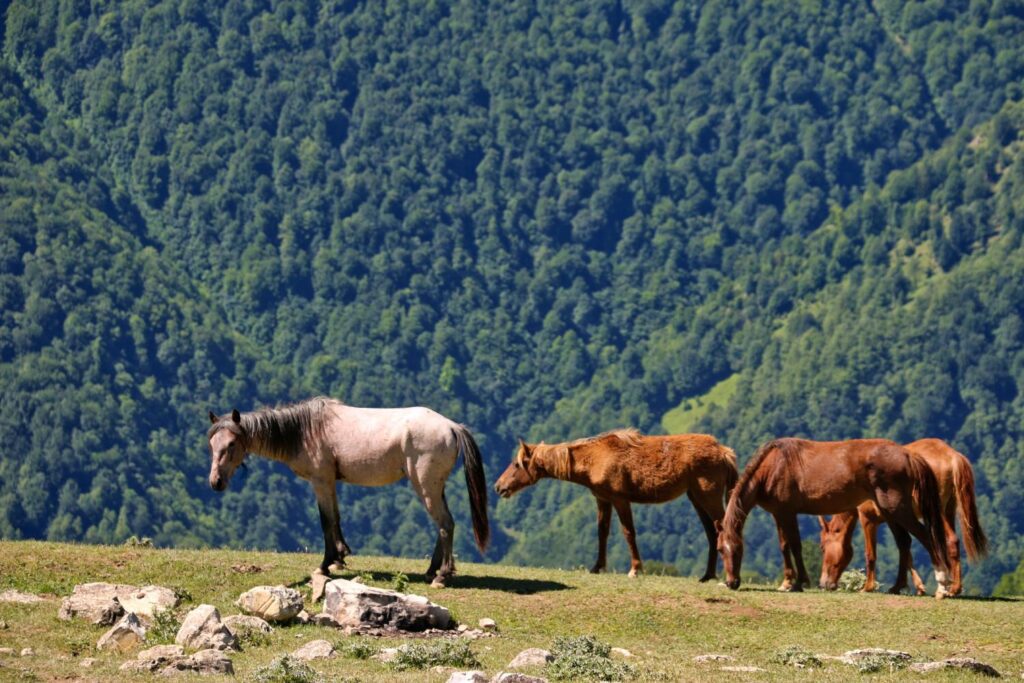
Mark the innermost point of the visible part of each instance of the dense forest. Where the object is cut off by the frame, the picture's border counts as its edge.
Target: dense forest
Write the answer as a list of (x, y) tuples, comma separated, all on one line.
[(539, 219)]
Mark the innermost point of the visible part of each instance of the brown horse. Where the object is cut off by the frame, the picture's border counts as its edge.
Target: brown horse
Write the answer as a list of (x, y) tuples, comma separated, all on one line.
[(956, 490), (325, 441), (624, 467), (788, 477)]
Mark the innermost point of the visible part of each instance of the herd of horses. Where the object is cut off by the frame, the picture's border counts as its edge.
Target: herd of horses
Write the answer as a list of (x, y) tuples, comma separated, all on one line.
[(917, 489)]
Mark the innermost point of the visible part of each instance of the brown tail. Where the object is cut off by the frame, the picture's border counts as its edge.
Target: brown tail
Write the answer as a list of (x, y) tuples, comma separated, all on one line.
[(970, 526), (732, 475), (476, 483), (926, 491)]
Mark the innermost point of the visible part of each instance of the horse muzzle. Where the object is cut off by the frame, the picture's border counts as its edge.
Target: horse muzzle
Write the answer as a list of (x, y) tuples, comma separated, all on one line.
[(732, 584), (218, 484)]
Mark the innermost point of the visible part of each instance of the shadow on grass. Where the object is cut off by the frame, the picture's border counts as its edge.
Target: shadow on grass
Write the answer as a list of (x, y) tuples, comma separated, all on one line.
[(494, 583)]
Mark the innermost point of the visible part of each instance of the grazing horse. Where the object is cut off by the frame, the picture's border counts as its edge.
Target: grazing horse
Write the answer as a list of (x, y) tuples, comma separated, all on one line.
[(325, 441), (623, 467), (788, 477), (956, 490)]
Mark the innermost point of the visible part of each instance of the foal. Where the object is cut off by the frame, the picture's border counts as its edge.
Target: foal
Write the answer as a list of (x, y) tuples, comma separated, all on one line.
[(623, 467)]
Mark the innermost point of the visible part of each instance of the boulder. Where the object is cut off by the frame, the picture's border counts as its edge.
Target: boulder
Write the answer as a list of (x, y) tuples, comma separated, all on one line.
[(6, 652), (857, 656), (315, 649), (324, 619), (742, 669), (318, 582), (353, 604), (703, 659), (468, 677), (123, 636), (241, 624), (19, 597), (516, 677), (202, 629), (105, 603), (533, 656), (155, 658), (28, 652), (203, 662), (271, 603), (965, 663), (487, 624)]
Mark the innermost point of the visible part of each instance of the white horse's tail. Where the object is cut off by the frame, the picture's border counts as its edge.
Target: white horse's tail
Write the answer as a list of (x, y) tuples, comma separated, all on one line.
[(476, 484)]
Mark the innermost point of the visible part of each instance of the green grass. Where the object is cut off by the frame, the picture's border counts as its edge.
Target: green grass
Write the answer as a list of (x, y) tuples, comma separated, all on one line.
[(683, 417), (664, 621)]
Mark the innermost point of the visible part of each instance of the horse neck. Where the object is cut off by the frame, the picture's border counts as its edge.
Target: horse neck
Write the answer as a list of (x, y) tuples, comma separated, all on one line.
[(268, 436), (740, 504), (557, 462), (849, 521)]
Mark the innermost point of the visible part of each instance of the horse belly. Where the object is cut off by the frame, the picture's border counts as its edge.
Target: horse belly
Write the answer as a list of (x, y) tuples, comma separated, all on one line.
[(364, 471)]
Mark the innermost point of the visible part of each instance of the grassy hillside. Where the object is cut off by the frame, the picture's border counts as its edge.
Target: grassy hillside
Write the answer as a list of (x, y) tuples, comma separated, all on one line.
[(663, 621)]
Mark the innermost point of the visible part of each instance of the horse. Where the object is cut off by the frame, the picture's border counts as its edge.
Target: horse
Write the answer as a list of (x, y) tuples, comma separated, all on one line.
[(956, 491), (324, 441), (623, 467), (790, 476)]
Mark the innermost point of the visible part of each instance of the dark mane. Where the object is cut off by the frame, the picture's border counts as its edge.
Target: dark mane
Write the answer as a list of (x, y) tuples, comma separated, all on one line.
[(734, 513), (282, 431)]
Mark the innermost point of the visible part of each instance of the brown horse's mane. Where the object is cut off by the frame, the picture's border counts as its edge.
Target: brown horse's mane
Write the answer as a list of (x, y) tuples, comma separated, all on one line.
[(629, 436), (558, 457), (281, 432), (735, 514)]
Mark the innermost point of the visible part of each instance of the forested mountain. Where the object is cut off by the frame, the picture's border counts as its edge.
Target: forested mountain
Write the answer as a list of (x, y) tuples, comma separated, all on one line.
[(547, 219)]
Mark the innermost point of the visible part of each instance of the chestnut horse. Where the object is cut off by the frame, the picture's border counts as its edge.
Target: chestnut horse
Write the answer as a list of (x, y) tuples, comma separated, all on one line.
[(325, 441), (788, 477), (956, 490), (623, 467)]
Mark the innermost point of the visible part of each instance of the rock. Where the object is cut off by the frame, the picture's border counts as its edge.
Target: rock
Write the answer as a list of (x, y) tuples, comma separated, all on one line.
[(533, 656), (703, 659), (303, 617), (155, 658), (741, 669), (386, 654), (203, 662), (318, 582), (125, 635), (622, 652), (19, 597), (87, 662), (241, 624), (105, 603), (246, 568), (966, 663), (856, 656), (315, 649), (27, 652), (353, 604), (271, 603), (6, 652), (202, 629), (486, 624), (462, 628), (468, 677), (324, 619), (3, 624), (516, 677)]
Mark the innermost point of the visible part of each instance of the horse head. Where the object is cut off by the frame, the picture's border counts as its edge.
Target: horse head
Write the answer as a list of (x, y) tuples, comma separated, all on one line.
[(836, 548), (227, 448), (730, 547), (519, 474)]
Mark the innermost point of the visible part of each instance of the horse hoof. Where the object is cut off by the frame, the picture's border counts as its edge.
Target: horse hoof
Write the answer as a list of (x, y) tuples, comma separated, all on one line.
[(335, 567), (633, 573), (438, 582), (596, 570), (706, 578)]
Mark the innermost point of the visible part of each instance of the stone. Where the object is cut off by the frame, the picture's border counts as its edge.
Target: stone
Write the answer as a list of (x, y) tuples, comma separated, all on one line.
[(155, 658), (303, 617), (703, 659), (271, 603), (27, 652), (741, 669), (87, 662), (315, 649), (242, 624), (6, 652), (353, 604), (965, 663), (202, 629), (856, 656), (468, 677), (105, 603), (516, 677), (533, 656), (204, 662), (324, 619), (387, 654), (318, 582), (123, 636), (622, 652), (19, 597), (487, 624)]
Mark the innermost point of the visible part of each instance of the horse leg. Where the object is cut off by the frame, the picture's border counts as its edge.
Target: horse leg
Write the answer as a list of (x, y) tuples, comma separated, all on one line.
[(629, 532), (604, 524), (870, 527), (952, 546), (442, 564), (902, 538), (710, 531), (904, 516), (335, 547), (790, 578)]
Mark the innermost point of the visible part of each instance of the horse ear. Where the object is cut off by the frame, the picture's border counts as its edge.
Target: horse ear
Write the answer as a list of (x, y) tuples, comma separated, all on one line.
[(823, 523), (522, 444), (235, 416), (213, 418), (718, 525)]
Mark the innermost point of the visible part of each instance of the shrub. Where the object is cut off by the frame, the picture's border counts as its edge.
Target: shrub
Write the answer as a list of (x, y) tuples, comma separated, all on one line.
[(584, 658), (165, 627), (285, 670), (357, 649), (852, 580), (440, 653), (400, 582), (794, 655)]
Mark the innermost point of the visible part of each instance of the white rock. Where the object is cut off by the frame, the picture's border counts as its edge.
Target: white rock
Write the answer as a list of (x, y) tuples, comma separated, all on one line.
[(533, 656), (272, 603), (125, 635), (315, 649), (387, 654), (352, 604), (27, 652), (468, 677), (516, 677), (19, 597), (966, 663), (487, 624), (856, 656), (702, 659), (87, 662), (6, 651), (202, 629), (105, 603), (240, 624), (741, 669), (324, 619), (622, 652), (204, 662), (318, 582)]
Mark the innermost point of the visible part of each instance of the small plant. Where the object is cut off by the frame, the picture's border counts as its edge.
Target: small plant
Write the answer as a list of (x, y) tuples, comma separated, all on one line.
[(181, 594), (136, 542), (881, 662), (285, 670), (794, 655), (440, 653), (252, 637), (657, 568), (165, 627), (357, 649), (584, 658), (400, 582), (852, 580)]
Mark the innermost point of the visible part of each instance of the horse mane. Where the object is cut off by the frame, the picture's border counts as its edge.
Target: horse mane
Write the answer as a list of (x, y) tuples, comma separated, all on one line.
[(735, 514), (630, 437), (284, 431)]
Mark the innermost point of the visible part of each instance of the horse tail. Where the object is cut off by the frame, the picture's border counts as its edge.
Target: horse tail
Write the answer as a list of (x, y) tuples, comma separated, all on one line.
[(963, 483), (476, 484), (732, 475), (926, 491)]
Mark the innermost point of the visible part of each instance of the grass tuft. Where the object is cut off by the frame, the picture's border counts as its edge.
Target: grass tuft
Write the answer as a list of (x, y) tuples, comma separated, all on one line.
[(585, 658), (285, 670), (853, 580), (356, 649), (439, 653), (164, 629), (794, 655)]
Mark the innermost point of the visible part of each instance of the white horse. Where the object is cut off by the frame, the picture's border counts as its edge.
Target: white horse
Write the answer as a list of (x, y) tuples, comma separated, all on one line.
[(325, 441)]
